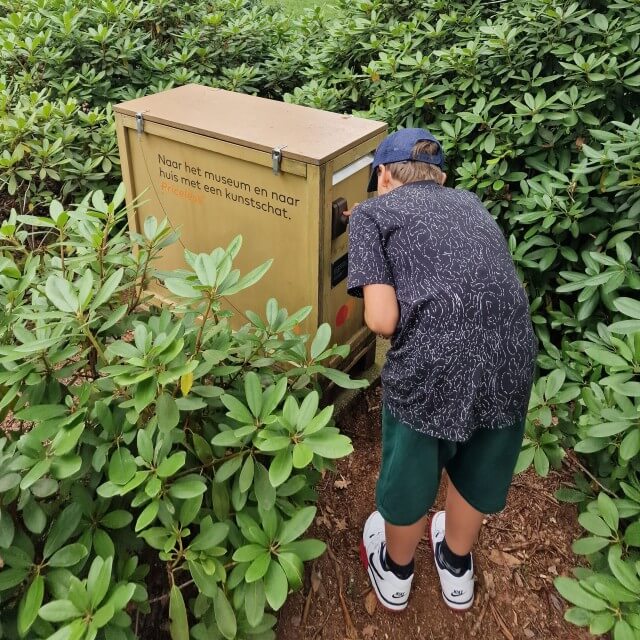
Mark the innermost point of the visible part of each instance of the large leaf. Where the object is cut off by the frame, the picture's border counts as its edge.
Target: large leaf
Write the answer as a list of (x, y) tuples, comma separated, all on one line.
[(248, 280), (281, 467), (179, 624), (188, 487), (629, 306), (321, 340), (572, 591), (253, 392), (211, 535), (62, 294), (308, 549), (29, 605), (293, 568), (167, 412), (343, 380), (297, 525), (265, 491), (122, 466), (254, 601), (62, 529), (98, 580), (258, 567), (623, 571), (276, 586), (59, 611), (225, 617), (329, 444)]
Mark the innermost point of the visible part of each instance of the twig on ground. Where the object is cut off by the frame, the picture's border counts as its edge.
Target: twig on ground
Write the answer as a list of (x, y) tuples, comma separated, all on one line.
[(501, 623), (484, 604), (307, 607), (508, 529), (548, 496), (519, 545), (307, 603), (322, 626), (352, 631)]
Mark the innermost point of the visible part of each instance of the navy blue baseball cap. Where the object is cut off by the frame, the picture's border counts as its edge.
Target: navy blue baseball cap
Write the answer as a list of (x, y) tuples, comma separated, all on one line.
[(398, 147)]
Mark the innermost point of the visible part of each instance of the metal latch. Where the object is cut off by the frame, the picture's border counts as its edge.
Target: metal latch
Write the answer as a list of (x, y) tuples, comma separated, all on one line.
[(276, 158), (139, 123)]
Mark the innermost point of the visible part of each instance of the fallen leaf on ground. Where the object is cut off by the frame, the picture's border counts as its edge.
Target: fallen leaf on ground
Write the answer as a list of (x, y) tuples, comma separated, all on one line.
[(503, 558), (341, 524), (370, 603), (489, 583), (369, 631), (316, 581), (343, 483), (556, 602), (323, 520)]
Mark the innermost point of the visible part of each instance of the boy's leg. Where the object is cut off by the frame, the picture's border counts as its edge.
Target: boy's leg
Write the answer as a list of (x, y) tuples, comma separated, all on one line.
[(402, 542), (406, 488), (480, 474), (463, 522)]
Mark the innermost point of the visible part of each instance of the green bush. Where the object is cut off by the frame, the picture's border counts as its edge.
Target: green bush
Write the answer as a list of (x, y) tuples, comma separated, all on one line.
[(537, 105), (154, 445), (54, 148), (63, 64)]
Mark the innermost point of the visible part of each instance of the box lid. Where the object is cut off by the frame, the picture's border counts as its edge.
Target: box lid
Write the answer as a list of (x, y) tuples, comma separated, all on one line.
[(310, 135)]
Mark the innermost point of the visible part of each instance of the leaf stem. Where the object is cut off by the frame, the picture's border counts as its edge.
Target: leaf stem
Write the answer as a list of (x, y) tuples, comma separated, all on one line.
[(205, 317), (586, 471)]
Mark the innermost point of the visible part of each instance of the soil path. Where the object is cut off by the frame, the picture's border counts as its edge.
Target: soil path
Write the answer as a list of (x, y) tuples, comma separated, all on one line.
[(519, 553)]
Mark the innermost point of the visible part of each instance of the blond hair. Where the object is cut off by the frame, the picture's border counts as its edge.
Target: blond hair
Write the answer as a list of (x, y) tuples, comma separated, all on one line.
[(412, 170)]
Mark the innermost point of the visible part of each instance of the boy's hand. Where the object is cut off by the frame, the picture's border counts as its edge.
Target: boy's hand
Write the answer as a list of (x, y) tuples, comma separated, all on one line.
[(350, 211)]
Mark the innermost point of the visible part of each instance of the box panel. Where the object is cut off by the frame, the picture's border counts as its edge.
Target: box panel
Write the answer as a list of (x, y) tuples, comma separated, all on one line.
[(212, 197), (343, 312)]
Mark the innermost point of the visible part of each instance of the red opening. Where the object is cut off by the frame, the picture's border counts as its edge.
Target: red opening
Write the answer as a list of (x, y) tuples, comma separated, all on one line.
[(342, 315)]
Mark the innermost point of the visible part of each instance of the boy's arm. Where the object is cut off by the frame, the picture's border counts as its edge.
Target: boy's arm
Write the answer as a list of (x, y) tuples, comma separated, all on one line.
[(370, 276), (381, 311)]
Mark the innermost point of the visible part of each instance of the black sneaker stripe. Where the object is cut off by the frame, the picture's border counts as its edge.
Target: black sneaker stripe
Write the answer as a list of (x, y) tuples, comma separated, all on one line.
[(373, 566), (377, 587)]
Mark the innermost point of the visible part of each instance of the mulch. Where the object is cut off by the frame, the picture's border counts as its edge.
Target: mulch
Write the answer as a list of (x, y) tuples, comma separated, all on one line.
[(519, 553)]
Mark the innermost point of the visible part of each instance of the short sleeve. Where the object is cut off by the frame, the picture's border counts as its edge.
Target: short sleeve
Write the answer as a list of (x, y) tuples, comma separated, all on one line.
[(367, 257)]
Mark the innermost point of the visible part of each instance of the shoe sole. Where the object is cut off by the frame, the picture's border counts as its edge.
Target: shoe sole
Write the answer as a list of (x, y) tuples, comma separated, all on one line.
[(365, 564), (455, 608)]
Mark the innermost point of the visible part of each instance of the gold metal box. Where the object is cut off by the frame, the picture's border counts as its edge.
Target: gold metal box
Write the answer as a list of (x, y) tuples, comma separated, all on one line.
[(218, 164)]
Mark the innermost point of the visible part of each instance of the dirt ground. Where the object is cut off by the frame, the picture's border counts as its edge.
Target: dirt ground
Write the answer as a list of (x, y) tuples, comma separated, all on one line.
[(520, 552)]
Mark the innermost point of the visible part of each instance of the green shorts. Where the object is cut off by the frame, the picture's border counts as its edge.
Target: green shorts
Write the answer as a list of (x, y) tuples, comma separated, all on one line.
[(481, 469)]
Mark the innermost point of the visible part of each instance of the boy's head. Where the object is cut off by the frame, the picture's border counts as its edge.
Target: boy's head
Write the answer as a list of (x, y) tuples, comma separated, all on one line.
[(408, 155)]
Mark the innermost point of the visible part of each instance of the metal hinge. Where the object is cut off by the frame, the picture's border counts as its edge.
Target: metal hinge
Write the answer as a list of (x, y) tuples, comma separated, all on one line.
[(139, 123), (276, 158)]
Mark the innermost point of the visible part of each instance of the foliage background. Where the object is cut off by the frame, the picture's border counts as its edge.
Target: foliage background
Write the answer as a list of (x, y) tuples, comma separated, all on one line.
[(536, 102)]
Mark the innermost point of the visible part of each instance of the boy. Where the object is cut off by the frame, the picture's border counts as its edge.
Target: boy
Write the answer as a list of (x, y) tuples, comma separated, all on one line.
[(438, 279)]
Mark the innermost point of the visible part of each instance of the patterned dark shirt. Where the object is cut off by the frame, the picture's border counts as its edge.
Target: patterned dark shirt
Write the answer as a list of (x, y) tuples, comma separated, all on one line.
[(462, 356)]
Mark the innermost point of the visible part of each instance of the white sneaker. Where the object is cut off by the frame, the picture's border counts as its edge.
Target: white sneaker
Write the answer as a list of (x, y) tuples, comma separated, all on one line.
[(391, 591), (457, 591)]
